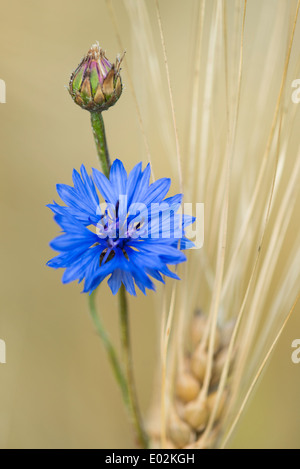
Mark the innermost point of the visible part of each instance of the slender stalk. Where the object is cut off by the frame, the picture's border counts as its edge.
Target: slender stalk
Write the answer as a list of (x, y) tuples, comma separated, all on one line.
[(178, 151), (126, 344), (112, 356), (126, 383), (100, 140)]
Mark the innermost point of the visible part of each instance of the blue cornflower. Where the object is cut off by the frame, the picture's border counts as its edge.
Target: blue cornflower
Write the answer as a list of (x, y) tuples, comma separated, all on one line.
[(134, 235)]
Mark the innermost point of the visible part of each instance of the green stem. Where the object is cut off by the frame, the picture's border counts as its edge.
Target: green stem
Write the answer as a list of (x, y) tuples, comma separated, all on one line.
[(126, 383), (100, 140), (112, 356), (133, 402)]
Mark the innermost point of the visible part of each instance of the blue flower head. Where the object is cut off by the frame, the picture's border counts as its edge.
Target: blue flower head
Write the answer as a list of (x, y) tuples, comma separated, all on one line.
[(131, 237)]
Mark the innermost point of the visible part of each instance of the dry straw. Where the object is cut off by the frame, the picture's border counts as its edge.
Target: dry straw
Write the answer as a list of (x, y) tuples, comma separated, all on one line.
[(238, 151)]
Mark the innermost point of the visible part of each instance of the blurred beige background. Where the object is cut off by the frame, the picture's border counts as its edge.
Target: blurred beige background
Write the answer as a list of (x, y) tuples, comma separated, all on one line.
[(56, 389)]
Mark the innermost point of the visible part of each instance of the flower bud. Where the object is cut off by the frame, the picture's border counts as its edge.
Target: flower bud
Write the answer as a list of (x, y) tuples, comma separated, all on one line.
[(96, 84)]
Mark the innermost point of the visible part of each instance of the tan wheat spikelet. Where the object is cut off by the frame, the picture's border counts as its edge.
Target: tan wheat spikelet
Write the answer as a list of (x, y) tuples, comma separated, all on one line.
[(237, 150)]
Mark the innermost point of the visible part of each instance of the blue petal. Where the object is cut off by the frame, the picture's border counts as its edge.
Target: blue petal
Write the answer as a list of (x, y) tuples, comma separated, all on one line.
[(84, 217), (142, 280), (89, 186), (78, 269), (133, 178), (105, 187), (186, 244), (118, 178), (174, 200), (127, 280), (155, 274), (68, 242), (82, 199), (169, 254), (166, 271), (114, 282), (142, 185), (156, 191), (97, 275), (70, 197), (188, 220)]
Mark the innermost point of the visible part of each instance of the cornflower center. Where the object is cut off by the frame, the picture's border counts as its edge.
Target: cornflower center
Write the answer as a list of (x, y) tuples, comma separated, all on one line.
[(116, 232)]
